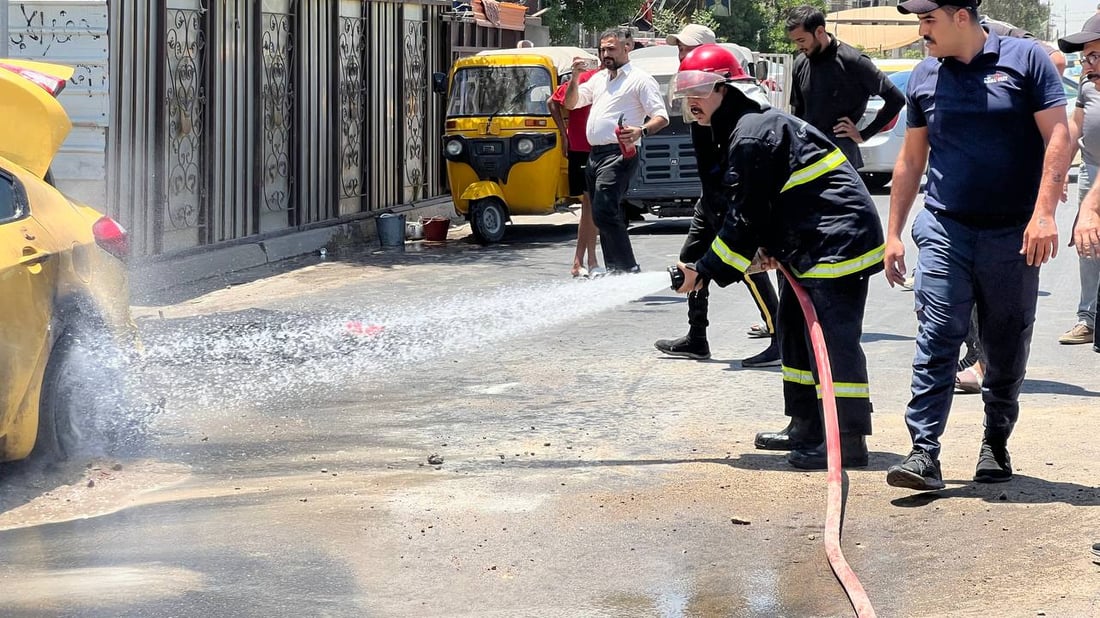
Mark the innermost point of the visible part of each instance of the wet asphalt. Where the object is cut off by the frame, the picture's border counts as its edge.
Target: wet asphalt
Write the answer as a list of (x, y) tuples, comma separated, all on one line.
[(294, 466)]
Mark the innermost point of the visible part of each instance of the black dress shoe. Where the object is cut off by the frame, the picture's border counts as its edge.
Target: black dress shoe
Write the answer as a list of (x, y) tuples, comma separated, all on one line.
[(853, 454), (799, 433)]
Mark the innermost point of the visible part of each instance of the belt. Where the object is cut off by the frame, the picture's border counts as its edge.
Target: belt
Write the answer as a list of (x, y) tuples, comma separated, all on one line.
[(604, 148), (985, 221)]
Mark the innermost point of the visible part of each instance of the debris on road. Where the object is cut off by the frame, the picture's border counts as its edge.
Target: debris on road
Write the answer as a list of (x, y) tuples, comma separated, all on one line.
[(739, 522), (435, 459)]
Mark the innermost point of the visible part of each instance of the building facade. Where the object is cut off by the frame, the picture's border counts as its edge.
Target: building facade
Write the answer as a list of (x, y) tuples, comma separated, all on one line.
[(204, 122)]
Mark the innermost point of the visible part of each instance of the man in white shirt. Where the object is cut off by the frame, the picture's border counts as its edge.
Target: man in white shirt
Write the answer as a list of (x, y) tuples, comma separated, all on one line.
[(633, 94)]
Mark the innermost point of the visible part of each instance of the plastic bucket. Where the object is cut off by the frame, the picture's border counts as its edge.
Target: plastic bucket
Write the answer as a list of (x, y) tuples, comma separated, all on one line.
[(391, 230), (435, 229)]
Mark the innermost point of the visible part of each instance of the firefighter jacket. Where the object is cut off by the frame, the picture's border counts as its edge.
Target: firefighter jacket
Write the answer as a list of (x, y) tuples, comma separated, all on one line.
[(788, 189)]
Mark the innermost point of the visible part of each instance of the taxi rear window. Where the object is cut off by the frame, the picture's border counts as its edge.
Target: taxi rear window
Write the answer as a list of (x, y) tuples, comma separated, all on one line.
[(7, 198)]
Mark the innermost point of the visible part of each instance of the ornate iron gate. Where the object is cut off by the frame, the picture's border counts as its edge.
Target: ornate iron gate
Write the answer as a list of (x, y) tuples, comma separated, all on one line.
[(233, 118), (185, 186), (276, 156)]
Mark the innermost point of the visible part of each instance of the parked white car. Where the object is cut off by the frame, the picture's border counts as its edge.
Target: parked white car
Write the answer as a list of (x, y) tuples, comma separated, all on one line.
[(880, 152)]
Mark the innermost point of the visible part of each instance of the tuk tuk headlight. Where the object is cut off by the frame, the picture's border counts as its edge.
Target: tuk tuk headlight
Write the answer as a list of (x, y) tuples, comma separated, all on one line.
[(453, 147), (525, 146)]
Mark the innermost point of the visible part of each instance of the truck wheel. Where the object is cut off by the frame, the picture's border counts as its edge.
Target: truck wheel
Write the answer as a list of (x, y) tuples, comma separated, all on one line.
[(487, 218)]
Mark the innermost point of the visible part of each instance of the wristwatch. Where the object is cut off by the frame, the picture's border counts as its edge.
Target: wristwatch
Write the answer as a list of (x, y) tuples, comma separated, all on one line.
[(645, 132)]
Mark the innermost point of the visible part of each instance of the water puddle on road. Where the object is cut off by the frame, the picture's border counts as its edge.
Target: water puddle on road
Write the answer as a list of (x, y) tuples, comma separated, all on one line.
[(255, 356)]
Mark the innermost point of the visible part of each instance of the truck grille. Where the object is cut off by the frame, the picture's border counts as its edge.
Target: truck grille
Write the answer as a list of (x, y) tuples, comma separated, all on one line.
[(667, 160)]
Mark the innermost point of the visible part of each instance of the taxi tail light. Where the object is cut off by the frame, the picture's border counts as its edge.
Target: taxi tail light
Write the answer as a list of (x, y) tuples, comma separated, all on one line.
[(890, 125), (112, 237), (50, 84)]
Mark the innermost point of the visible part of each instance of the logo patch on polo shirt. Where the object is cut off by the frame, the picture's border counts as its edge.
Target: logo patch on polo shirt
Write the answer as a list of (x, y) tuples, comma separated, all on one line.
[(996, 78)]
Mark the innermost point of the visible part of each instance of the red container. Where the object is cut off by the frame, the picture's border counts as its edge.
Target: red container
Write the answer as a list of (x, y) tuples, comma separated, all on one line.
[(435, 229), (628, 149)]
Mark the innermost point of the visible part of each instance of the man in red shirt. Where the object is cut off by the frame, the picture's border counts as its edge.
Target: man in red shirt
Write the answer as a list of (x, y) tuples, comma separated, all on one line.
[(575, 144)]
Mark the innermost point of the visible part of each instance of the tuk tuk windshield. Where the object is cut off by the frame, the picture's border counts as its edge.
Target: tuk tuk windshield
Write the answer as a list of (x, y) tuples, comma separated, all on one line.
[(500, 91)]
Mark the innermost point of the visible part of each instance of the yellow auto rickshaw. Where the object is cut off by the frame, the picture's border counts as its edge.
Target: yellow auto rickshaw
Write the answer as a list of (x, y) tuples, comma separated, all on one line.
[(503, 150)]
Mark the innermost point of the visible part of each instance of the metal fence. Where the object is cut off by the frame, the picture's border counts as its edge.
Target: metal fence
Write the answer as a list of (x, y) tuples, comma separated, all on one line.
[(235, 118)]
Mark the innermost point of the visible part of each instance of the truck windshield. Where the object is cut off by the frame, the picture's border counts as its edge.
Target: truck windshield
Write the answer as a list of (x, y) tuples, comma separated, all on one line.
[(500, 91)]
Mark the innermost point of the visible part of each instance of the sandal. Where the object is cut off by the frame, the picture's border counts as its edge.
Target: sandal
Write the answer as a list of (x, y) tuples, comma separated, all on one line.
[(758, 331), (969, 380)]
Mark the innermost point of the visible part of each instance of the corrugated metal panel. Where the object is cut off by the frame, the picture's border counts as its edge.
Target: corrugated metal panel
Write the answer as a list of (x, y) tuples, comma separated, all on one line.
[(72, 32)]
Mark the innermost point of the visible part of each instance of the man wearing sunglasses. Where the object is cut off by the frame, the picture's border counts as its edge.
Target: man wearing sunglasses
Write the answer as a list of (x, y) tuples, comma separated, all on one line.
[(790, 193), (987, 115), (1084, 129), (1086, 229)]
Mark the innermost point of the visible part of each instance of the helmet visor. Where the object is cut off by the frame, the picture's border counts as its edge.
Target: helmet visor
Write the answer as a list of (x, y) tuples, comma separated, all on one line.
[(694, 84)]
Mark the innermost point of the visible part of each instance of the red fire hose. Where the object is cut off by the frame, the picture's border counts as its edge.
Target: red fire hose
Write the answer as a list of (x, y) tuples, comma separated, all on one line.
[(835, 503)]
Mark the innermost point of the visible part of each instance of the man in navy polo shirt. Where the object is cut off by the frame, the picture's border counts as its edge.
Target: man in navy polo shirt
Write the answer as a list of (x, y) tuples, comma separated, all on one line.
[(988, 116)]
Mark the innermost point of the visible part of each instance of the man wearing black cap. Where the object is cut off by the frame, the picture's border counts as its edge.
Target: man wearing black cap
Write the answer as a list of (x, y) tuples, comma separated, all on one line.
[(987, 114), (1086, 230), (1084, 128)]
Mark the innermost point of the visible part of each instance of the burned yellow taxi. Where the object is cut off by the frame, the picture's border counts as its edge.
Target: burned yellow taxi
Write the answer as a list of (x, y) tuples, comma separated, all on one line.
[(62, 277)]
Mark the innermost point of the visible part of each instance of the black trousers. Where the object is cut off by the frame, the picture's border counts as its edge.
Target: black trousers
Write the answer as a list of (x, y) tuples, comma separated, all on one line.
[(703, 230), (608, 174), (839, 304)]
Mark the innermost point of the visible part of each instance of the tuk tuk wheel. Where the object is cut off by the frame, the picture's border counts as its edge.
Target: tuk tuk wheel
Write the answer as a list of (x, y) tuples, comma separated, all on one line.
[(487, 218)]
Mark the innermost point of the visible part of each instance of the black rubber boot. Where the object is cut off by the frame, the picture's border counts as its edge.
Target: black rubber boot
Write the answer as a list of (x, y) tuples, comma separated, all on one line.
[(685, 347), (853, 454), (799, 433), (694, 344)]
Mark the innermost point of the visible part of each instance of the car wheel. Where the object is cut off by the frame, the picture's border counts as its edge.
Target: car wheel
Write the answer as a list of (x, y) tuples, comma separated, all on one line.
[(80, 408), (487, 219), (876, 181)]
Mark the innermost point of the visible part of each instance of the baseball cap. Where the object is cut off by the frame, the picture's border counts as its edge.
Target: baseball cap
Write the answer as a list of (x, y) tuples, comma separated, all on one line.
[(920, 7), (691, 35), (1076, 42)]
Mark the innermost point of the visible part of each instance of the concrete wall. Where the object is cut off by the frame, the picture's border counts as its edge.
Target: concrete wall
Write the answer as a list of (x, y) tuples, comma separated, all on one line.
[(71, 32)]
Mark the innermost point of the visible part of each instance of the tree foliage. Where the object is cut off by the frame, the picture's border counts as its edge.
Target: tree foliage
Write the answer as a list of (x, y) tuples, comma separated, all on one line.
[(756, 24), (1027, 14), (564, 17), (666, 22)]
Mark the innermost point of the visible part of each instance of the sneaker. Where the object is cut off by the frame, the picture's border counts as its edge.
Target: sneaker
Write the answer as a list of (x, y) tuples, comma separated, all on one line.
[(767, 358), (994, 464), (759, 331), (919, 471), (597, 272), (633, 270), (684, 347), (1080, 333)]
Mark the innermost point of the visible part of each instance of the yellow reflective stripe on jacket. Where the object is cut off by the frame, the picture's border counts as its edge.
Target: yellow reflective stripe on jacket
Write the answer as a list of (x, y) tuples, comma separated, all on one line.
[(850, 390), (815, 170), (798, 376), (729, 256), (847, 267)]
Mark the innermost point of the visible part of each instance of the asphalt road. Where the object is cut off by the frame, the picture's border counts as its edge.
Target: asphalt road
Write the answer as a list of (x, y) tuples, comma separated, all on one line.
[(582, 474)]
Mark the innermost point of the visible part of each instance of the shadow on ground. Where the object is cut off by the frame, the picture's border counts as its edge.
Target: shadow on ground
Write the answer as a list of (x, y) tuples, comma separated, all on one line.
[(1051, 387), (1021, 489)]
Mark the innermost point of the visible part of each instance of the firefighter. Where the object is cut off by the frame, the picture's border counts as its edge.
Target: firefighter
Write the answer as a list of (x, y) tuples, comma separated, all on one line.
[(793, 200)]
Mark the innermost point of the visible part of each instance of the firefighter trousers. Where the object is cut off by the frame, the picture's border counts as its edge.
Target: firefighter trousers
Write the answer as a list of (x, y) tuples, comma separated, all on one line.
[(839, 304)]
